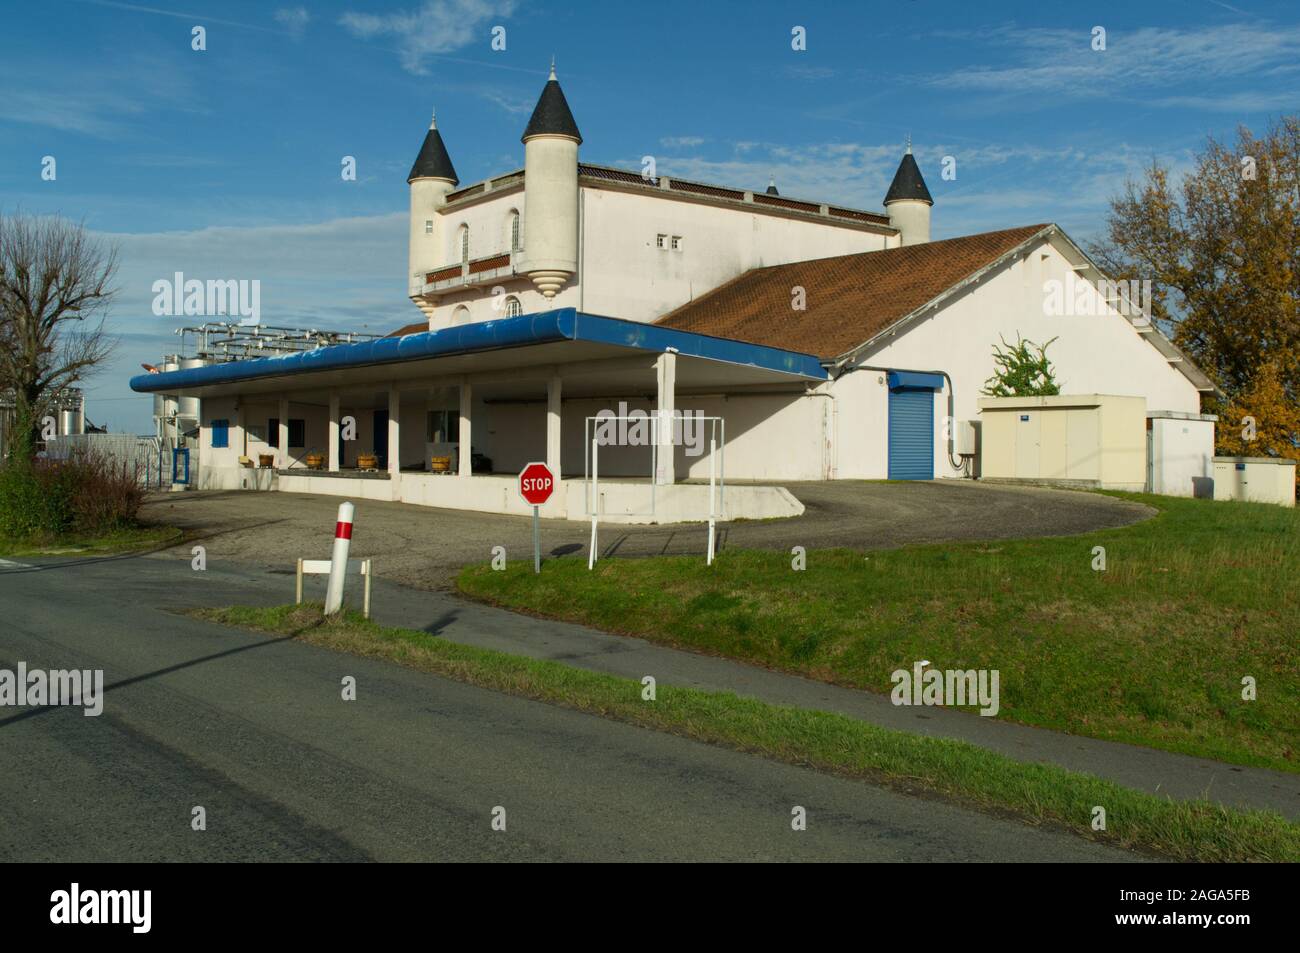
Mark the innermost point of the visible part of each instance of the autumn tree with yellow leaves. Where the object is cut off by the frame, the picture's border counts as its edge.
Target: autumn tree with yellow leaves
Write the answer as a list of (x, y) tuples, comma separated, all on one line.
[(1221, 247)]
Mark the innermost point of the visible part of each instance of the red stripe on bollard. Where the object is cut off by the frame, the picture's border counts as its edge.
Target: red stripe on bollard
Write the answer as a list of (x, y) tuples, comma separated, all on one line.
[(342, 530)]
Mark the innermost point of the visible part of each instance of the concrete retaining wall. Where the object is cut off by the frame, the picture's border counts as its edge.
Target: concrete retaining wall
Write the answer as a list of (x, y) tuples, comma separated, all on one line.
[(619, 502)]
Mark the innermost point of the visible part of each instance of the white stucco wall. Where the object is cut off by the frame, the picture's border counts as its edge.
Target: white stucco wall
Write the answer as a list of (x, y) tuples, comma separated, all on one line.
[(625, 274), (1102, 354), (621, 271)]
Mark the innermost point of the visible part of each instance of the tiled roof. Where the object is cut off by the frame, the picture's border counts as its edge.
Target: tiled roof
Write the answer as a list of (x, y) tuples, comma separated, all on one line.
[(416, 328), (849, 298)]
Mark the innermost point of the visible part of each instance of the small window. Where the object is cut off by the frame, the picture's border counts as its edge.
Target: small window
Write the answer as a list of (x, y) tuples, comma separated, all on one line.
[(661, 241), (677, 243), (220, 430), (428, 226), (460, 315), (273, 432), (513, 308), (443, 426), (464, 243), (514, 232)]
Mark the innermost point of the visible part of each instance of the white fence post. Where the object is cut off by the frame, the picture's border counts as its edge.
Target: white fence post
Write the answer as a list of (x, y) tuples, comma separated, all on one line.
[(368, 572), (713, 451), (595, 502)]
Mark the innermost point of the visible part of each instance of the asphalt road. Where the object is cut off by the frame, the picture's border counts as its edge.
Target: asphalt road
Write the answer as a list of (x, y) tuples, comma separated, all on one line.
[(255, 731), (423, 547)]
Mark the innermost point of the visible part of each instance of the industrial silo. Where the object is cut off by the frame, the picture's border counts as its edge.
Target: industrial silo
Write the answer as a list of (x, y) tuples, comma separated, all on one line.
[(188, 407), (72, 420)]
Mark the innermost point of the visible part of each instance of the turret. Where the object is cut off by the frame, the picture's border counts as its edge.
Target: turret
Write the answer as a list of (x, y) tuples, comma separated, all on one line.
[(551, 140), (432, 177), (908, 202)]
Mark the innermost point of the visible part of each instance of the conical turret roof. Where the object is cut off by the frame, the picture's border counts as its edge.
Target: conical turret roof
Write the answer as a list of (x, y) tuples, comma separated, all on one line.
[(433, 161), (908, 183), (552, 116)]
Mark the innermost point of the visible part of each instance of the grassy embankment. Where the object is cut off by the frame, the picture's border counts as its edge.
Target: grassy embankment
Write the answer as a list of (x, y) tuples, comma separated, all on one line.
[(1152, 651), (834, 743)]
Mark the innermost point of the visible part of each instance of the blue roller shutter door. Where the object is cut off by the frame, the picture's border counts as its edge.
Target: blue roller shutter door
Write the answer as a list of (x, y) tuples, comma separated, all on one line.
[(911, 433)]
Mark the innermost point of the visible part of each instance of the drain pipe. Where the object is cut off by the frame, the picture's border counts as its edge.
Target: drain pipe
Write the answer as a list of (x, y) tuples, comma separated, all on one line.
[(960, 466), (830, 426)]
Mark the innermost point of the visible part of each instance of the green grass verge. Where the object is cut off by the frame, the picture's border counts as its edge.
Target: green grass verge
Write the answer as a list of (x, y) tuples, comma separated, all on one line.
[(1152, 651), (1044, 794), (117, 541)]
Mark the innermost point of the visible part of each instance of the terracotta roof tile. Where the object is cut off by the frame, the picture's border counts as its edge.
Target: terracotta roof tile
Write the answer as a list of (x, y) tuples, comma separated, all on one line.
[(416, 328), (849, 298)]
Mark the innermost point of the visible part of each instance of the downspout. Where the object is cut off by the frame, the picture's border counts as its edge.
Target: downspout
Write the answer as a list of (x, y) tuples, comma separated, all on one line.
[(830, 425), (582, 246)]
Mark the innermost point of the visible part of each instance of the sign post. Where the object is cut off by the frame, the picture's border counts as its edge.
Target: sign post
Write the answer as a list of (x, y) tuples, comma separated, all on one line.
[(536, 484)]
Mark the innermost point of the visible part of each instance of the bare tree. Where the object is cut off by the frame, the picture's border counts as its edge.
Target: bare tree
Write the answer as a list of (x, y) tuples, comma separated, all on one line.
[(55, 283)]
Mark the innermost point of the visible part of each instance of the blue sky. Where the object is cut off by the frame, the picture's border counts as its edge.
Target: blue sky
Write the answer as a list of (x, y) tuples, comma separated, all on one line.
[(226, 163)]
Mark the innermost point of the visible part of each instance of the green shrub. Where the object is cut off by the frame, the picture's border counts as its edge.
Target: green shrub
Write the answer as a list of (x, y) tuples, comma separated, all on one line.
[(32, 505), (87, 493)]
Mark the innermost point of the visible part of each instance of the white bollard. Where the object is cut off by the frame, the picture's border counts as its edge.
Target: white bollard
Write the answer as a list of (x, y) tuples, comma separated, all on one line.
[(339, 559)]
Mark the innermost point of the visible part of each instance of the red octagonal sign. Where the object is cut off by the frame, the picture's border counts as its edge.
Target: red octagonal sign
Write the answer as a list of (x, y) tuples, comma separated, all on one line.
[(536, 483)]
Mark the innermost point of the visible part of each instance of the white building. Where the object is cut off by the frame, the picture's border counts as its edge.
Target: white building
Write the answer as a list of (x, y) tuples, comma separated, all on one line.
[(835, 343)]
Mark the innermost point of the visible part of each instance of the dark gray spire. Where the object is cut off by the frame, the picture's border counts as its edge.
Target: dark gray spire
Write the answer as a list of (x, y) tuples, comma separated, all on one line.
[(771, 186), (908, 183), (552, 116), (433, 161)]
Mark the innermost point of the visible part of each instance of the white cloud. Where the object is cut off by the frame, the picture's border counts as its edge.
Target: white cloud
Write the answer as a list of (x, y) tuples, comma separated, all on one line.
[(294, 19), (510, 103), (1135, 62), (203, 18), (436, 26), (1072, 185), (681, 142), (344, 274), (98, 98)]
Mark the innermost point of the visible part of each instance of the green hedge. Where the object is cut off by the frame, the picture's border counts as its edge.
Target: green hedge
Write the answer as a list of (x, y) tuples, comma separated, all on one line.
[(84, 494)]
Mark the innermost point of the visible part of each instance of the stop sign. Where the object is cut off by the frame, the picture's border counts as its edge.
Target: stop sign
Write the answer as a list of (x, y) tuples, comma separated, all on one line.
[(536, 484)]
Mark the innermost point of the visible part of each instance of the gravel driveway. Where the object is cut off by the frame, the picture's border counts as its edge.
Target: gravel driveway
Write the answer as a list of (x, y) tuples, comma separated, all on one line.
[(422, 546)]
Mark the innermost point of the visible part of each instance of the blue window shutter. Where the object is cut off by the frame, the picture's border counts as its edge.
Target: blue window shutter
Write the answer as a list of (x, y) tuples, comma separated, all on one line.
[(220, 434)]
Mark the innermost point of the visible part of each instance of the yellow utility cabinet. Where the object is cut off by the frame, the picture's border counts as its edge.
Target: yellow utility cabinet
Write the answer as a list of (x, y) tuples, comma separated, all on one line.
[(1095, 440)]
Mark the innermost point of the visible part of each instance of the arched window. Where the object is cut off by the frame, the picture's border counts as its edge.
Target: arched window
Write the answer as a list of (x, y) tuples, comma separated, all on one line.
[(514, 231), (460, 315), (464, 243), (513, 309)]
